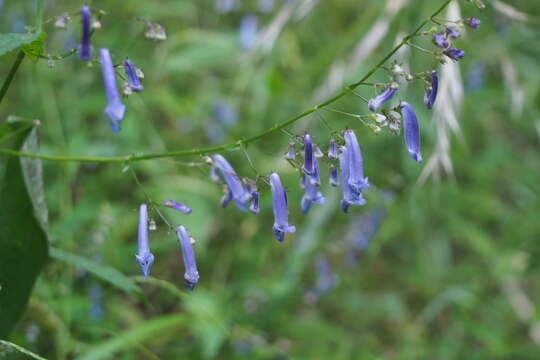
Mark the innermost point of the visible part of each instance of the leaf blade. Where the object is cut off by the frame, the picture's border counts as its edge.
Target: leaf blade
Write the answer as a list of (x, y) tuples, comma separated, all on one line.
[(13, 41)]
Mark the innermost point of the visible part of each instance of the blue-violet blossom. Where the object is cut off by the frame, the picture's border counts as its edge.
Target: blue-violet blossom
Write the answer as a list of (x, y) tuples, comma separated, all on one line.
[(235, 188), (312, 194), (177, 206), (351, 196), (379, 100), (356, 179), (411, 131), (115, 109), (455, 53), (132, 77), (431, 92), (453, 32), (280, 207), (144, 257), (440, 40), (85, 49), (191, 275), (474, 23)]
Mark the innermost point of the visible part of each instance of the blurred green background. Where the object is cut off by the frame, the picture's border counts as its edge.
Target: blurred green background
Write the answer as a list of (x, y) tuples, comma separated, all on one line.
[(451, 270)]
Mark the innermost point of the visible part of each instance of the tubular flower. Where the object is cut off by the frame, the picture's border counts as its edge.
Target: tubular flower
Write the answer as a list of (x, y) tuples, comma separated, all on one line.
[(308, 156), (452, 32), (291, 151), (236, 190), (356, 179), (177, 206), (332, 149), (85, 49), (455, 53), (334, 177), (379, 100), (312, 194), (115, 109), (351, 196), (473, 23), (144, 257), (431, 92), (440, 40), (191, 274), (133, 79), (411, 131), (252, 190), (280, 207)]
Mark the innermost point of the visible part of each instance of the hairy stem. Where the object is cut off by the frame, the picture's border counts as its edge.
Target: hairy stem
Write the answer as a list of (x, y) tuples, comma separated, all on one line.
[(202, 151)]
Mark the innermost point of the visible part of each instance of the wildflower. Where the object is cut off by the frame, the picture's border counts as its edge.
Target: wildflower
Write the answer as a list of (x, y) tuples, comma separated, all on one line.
[(133, 78), (248, 31), (453, 32), (317, 152), (177, 206), (350, 195), (411, 131), (334, 177), (155, 31), (431, 92), (144, 257), (312, 194), (280, 206), (308, 155), (61, 21), (85, 49), (291, 151), (252, 190), (455, 53), (191, 275), (235, 188), (440, 40), (379, 100), (473, 23), (332, 149), (115, 109), (356, 179)]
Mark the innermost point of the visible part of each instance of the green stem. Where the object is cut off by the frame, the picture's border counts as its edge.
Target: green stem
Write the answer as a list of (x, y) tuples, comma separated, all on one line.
[(11, 74), (203, 151), (39, 16)]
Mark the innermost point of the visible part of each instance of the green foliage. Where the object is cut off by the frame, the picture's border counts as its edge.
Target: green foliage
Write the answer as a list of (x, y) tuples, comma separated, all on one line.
[(31, 43), (22, 237), (10, 351)]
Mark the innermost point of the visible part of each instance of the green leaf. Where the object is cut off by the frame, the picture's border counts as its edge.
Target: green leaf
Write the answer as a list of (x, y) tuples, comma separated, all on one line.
[(132, 337), (15, 352), (35, 48), (10, 128), (103, 272), (23, 240), (13, 41)]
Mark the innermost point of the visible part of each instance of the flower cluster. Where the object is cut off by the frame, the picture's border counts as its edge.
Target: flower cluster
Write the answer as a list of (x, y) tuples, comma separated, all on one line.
[(444, 37)]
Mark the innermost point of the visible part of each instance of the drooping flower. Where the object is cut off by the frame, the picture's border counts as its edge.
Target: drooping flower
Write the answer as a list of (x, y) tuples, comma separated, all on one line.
[(280, 207), (351, 196), (308, 155), (115, 109), (334, 177), (132, 76), (381, 99), (291, 151), (455, 53), (453, 32), (332, 149), (440, 40), (85, 48), (177, 206), (252, 190), (236, 190), (431, 91), (312, 194), (317, 152), (356, 179), (248, 31), (191, 275), (144, 257), (474, 23), (411, 131)]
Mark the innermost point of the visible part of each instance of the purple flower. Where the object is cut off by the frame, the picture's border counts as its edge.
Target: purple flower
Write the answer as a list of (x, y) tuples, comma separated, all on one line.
[(453, 32), (411, 131), (308, 156), (144, 257), (252, 190), (474, 23), (115, 109), (291, 151), (236, 190), (85, 49), (332, 149), (440, 40), (177, 206), (248, 31), (455, 53), (191, 274), (133, 78), (431, 92), (351, 196), (334, 177), (379, 100), (356, 179), (281, 210), (312, 194)]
